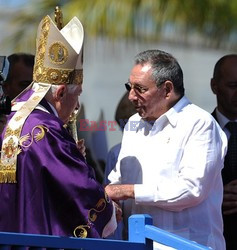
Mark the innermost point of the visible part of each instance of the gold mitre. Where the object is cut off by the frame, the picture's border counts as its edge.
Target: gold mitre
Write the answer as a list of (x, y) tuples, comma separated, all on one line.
[(58, 60), (59, 53)]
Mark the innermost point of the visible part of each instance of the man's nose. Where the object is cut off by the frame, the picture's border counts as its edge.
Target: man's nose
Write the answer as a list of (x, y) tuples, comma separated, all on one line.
[(132, 95), (78, 104)]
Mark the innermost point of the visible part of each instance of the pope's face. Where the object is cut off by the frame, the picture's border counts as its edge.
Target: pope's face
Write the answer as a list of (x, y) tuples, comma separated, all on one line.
[(148, 99), (70, 101)]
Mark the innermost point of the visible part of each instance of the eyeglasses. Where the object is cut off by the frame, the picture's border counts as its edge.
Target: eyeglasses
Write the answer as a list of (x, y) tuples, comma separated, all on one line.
[(137, 88)]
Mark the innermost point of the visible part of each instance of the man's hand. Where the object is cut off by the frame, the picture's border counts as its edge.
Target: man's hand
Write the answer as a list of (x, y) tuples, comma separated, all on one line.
[(229, 205), (120, 192)]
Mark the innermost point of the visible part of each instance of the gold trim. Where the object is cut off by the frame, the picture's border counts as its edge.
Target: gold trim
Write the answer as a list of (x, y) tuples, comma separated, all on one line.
[(10, 132), (58, 17), (44, 74), (8, 176), (81, 231), (92, 216), (77, 76), (58, 53), (11, 140), (9, 149), (33, 136), (53, 75)]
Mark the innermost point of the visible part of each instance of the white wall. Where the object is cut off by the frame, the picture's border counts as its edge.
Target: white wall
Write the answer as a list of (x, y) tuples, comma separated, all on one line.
[(107, 67)]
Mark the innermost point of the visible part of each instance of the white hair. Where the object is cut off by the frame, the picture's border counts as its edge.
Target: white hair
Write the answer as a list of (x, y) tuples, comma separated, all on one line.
[(70, 88)]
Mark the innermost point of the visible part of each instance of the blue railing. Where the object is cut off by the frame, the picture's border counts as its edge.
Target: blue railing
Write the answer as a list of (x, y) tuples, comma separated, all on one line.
[(141, 236)]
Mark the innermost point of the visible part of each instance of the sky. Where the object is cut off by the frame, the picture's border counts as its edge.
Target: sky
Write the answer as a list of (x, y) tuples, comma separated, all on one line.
[(13, 3)]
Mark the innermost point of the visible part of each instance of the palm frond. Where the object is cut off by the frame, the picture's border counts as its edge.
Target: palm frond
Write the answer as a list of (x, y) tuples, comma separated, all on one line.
[(147, 20)]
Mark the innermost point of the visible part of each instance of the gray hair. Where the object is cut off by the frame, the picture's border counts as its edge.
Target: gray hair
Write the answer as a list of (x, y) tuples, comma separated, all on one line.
[(164, 67), (53, 89)]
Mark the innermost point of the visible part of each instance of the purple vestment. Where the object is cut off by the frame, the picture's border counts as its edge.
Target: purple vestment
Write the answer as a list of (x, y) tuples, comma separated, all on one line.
[(56, 191)]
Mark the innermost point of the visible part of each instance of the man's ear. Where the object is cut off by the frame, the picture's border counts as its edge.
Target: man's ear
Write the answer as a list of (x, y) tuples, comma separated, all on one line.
[(213, 85), (169, 87), (60, 92)]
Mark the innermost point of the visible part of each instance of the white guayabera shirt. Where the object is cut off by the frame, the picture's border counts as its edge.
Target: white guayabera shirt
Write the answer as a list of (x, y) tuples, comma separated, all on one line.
[(175, 164)]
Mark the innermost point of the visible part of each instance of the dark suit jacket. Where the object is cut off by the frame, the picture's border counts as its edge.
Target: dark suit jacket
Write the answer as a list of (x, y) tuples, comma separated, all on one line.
[(227, 175), (230, 221)]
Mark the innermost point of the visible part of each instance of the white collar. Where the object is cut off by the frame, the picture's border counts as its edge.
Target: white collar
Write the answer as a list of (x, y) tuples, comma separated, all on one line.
[(18, 105)]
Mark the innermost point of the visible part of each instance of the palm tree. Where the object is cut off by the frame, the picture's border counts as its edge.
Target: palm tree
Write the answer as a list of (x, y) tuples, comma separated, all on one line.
[(203, 22)]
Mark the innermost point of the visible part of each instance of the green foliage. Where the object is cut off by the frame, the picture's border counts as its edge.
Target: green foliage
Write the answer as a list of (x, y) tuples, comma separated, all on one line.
[(215, 22)]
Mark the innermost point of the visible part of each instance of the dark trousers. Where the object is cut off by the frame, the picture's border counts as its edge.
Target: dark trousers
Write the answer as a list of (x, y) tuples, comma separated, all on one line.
[(230, 231)]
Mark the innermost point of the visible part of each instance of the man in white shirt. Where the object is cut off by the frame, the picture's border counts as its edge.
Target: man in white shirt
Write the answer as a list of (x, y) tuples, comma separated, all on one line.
[(172, 155)]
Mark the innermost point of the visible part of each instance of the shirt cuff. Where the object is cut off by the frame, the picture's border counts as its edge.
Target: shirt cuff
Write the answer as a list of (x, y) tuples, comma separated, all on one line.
[(111, 226), (143, 193)]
